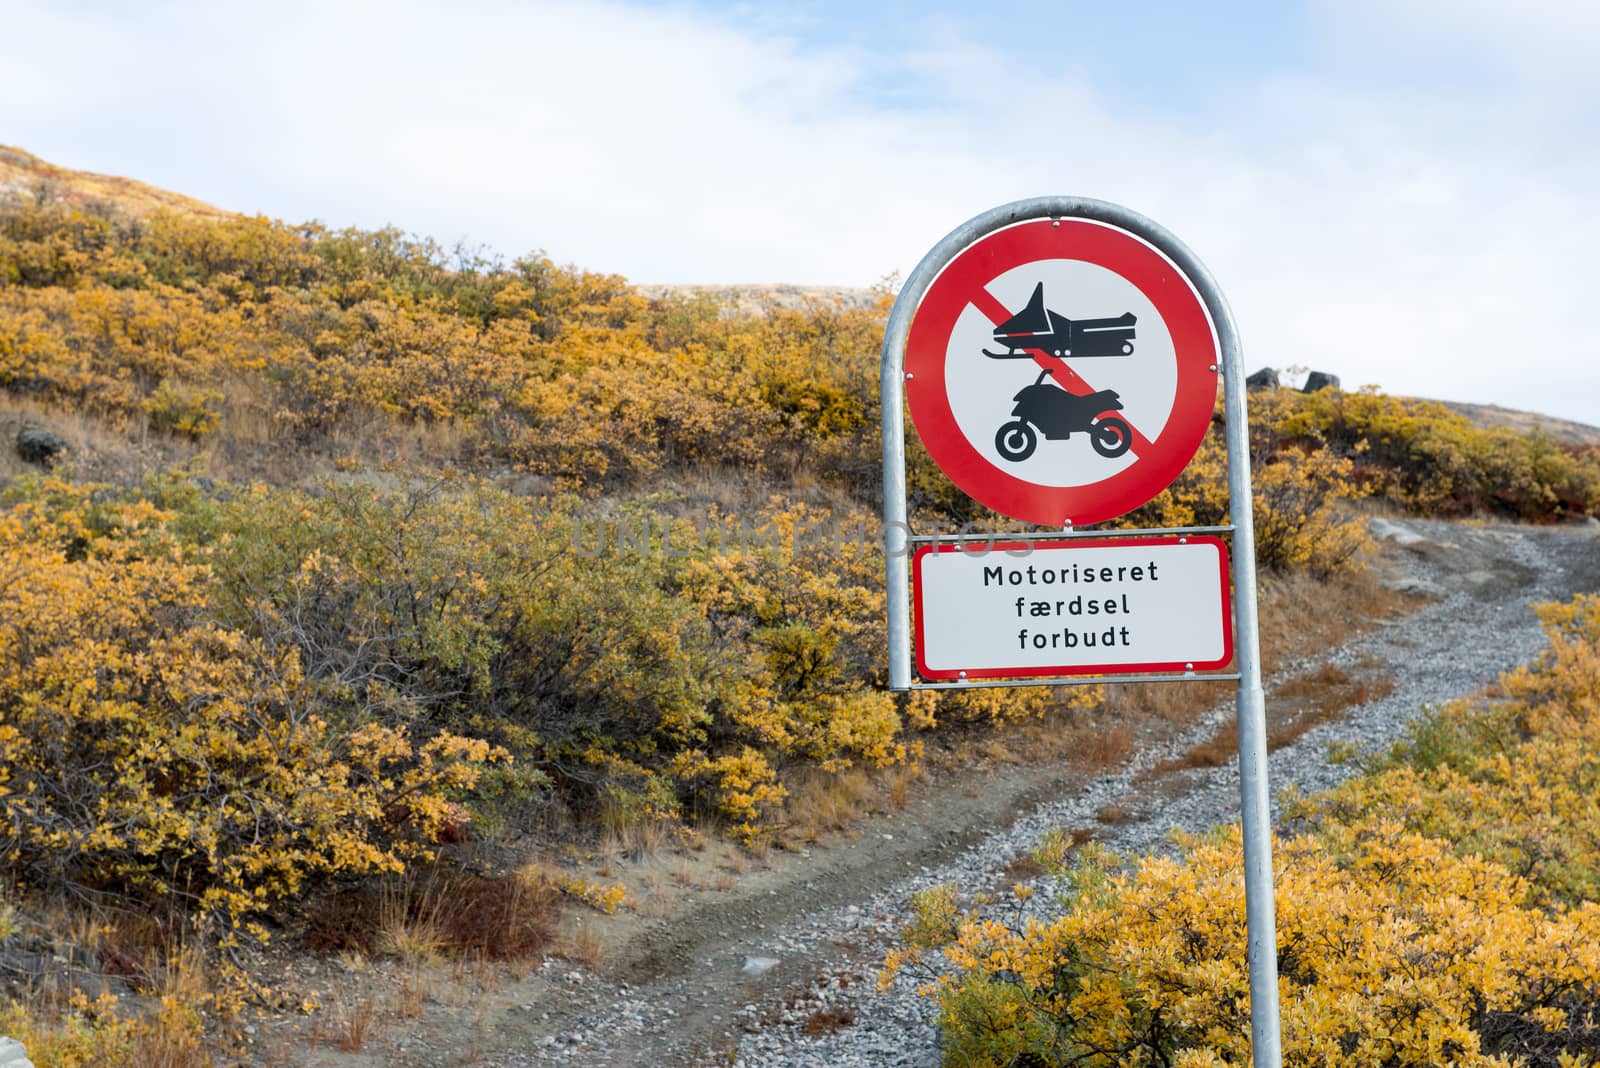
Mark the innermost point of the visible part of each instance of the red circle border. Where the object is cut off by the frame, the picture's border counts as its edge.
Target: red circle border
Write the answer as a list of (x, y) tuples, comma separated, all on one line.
[(1066, 239)]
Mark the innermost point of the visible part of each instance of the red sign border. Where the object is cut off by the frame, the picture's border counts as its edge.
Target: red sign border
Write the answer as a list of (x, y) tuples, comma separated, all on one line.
[(1148, 270), (940, 675)]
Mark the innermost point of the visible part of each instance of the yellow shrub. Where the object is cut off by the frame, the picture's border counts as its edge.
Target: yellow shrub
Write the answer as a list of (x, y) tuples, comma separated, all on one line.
[(602, 897), (1298, 497), (742, 785), (149, 750), (1392, 950), (1438, 911), (90, 1035), (190, 413)]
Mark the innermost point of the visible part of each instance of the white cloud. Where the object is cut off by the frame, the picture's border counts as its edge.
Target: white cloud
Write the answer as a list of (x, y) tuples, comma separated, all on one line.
[(1538, 39), (1428, 235)]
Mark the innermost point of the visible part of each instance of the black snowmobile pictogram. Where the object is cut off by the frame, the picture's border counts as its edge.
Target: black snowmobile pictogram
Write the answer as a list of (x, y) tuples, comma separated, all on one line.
[(1049, 408), (1036, 327)]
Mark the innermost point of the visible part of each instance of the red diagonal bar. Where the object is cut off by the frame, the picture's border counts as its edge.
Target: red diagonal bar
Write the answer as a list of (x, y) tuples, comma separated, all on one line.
[(992, 309), (1069, 379)]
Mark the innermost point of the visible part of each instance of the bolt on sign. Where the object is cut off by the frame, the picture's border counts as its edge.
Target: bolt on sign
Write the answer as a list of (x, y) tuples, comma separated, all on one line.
[(1060, 359)]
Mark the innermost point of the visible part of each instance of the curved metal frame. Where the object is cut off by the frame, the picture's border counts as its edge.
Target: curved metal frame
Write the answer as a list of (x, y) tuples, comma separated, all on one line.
[(1255, 813)]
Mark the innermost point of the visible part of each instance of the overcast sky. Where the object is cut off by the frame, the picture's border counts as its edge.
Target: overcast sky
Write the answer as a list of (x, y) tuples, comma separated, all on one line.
[(1398, 191)]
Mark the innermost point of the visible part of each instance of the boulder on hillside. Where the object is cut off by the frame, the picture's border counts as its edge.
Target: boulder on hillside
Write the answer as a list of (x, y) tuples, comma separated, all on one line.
[(1320, 380), (1266, 378), (40, 446), (12, 1055)]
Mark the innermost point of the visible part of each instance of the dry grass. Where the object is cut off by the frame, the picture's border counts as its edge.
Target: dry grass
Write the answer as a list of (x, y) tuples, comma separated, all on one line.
[(1021, 868), (413, 995), (97, 449), (1297, 612), (1117, 812), (685, 873), (1320, 696), (348, 1026), (823, 803), (410, 917), (1293, 709), (473, 973), (900, 780), (1218, 750), (658, 904), (1089, 740), (1098, 750), (627, 832), (434, 913), (586, 946), (180, 973), (169, 1045), (1176, 704), (827, 1020), (123, 450), (145, 984)]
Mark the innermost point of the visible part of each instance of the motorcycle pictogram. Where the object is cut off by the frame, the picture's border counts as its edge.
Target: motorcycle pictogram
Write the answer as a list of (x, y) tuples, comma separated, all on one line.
[(1050, 409)]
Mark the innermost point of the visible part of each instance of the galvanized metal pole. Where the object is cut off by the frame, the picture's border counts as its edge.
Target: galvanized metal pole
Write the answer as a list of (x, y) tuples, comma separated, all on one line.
[(896, 532), (891, 394), (1255, 812), (1255, 807)]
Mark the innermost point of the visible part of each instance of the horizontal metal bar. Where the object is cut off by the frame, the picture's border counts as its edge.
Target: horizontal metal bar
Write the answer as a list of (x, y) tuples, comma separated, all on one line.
[(1074, 680), (1056, 535)]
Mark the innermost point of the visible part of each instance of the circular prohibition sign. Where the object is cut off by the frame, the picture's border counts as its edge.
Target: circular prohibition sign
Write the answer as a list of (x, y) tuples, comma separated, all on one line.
[(1131, 319)]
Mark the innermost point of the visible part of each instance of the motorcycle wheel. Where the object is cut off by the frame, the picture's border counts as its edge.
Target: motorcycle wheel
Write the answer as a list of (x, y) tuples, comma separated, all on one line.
[(1111, 437), (1016, 441)]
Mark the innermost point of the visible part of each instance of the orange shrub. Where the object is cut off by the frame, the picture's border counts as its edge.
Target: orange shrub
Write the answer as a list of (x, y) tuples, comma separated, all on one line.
[(145, 749)]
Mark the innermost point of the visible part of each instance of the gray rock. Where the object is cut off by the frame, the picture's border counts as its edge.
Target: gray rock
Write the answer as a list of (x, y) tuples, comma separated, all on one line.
[(40, 446), (12, 1055), (1266, 378), (1320, 380), (1388, 530)]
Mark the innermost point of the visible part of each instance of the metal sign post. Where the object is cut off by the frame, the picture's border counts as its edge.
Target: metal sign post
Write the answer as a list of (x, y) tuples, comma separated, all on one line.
[(1095, 337)]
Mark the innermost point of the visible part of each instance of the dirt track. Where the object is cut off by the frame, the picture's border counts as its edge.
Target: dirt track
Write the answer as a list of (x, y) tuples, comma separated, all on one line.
[(743, 974)]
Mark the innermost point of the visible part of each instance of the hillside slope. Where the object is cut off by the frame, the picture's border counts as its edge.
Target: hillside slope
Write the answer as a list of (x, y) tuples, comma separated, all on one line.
[(27, 179), (513, 583), (1490, 416)]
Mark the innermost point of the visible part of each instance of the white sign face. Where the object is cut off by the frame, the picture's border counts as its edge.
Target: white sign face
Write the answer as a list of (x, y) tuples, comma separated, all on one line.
[(1061, 371), (1081, 607), (982, 390)]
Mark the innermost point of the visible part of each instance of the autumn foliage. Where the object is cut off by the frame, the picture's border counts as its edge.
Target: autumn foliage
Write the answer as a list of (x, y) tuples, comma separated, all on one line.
[(615, 634), (147, 749), (1439, 910), (252, 331), (628, 571)]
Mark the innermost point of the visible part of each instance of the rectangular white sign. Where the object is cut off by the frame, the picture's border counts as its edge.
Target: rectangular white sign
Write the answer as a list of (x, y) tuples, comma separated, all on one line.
[(1079, 607)]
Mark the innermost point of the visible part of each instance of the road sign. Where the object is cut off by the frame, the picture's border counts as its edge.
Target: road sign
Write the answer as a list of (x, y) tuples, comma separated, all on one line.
[(1123, 321), (1102, 606), (1061, 371)]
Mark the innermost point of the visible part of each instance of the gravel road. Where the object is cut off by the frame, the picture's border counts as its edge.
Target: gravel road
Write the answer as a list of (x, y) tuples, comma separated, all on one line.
[(793, 984)]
